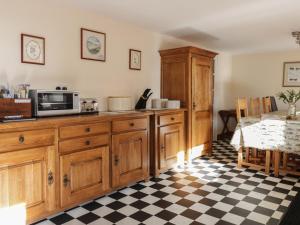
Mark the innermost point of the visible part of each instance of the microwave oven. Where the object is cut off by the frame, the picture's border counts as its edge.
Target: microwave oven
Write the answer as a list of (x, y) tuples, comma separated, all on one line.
[(53, 103)]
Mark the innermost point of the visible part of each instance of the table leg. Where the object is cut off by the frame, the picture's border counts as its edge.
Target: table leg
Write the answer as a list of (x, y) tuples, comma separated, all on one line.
[(267, 163), (240, 158), (276, 163)]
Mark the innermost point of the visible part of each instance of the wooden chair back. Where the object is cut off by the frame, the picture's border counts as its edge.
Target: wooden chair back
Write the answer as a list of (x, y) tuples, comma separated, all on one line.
[(255, 107), (267, 107), (241, 108)]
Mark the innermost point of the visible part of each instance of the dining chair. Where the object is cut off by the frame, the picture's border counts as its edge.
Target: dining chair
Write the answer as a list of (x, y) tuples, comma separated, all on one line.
[(255, 107), (241, 108), (242, 111), (267, 107), (251, 154)]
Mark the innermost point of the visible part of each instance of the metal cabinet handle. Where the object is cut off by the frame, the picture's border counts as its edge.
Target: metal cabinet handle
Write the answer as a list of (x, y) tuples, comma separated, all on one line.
[(172, 118), (87, 142), (66, 180), (21, 139), (50, 178), (131, 124), (162, 147), (87, 129), (194, 105)]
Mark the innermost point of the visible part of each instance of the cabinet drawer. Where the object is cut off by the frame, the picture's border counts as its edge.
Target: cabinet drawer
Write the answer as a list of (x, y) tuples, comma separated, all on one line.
[(26, 139), (129, 125), (169, 119), (82, 143), (85, 129)]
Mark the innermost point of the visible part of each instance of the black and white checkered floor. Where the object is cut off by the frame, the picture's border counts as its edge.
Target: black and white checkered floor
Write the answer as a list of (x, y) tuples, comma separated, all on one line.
[(209, 191)]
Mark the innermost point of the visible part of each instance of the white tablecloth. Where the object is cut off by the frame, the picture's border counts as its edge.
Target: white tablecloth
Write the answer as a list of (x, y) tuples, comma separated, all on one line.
[(271, 131)]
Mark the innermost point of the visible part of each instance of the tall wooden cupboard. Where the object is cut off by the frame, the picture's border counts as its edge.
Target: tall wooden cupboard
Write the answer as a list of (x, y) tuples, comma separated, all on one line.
[(187, 75)]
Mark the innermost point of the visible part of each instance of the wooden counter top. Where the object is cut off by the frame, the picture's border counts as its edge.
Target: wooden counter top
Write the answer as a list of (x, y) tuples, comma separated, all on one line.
[(58, 121)]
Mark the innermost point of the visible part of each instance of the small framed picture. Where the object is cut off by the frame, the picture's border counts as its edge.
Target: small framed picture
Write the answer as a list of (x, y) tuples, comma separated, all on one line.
[(135, 59), (32, 49), (93, 45), (291, 74)]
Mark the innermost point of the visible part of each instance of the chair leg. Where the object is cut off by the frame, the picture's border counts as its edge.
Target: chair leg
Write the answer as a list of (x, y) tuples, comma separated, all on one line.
[(254, 153), (267, 163), (284, 159), (240, 158), (276, 163), (247, 155)]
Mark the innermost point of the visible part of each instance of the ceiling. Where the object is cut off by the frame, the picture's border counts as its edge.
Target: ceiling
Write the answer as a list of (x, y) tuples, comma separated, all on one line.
[(235, 26)]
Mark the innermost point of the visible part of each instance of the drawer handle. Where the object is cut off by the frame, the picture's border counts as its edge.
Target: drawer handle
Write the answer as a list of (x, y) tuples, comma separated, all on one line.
[(66, 180), (131, 124), (162, 147), (172, 118), (116, 160), (87, 129), (87, 142), (21, 139), (50, 178)]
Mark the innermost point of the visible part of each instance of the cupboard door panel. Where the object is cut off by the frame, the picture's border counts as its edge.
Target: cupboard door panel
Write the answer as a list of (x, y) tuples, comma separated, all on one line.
[(84, 174), (170, 140), (202, 108), (130, 157), (24, 181), (173, 77)]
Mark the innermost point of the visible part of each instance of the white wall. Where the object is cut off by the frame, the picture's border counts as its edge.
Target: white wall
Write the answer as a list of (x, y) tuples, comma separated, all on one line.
[(249, 75), (222, 88), (60, 25), (260, 74)]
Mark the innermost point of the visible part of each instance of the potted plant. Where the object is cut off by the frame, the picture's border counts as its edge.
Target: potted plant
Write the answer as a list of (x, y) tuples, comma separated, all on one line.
[(290, 97)]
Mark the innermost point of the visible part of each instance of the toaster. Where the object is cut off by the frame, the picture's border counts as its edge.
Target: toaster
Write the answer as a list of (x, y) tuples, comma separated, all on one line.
[(89, 105)]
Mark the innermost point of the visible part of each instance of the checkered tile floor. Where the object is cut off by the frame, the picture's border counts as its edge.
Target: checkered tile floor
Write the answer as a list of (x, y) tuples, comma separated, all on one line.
[(210, 191)]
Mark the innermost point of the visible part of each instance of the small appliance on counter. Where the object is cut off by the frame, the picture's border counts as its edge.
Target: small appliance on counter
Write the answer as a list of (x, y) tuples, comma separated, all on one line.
[(142, 103), (15, 109), (89, 105), (119, 103), (54, 102)]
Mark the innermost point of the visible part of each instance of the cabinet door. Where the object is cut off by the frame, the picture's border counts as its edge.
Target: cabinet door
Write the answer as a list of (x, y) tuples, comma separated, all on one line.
[(202, 107), (130, 157), (174, 79), (84, 175), (170, 145), (27, 182)]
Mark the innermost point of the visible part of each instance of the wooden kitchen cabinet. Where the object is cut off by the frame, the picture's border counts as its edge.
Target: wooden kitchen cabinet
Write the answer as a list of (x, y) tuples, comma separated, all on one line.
[(27, 179), (52, 164), (130, 160), (167, 140), (187, 75), (84, 174)]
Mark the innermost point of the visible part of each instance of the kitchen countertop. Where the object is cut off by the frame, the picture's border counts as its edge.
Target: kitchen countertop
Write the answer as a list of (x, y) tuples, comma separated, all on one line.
[(56, 121)]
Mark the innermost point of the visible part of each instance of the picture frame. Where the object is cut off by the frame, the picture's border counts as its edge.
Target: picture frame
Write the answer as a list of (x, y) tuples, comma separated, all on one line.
[(135, 59), (291, 74), (93, 45), (32, 49)]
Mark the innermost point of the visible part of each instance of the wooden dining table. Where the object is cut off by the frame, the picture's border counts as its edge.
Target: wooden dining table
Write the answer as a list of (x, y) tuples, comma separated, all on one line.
[(271, 132)]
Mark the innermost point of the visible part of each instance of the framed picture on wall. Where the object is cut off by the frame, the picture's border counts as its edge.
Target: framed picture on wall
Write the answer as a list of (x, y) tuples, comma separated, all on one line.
[(135, 59), (93, 45), (291, 74), (32, 49)]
